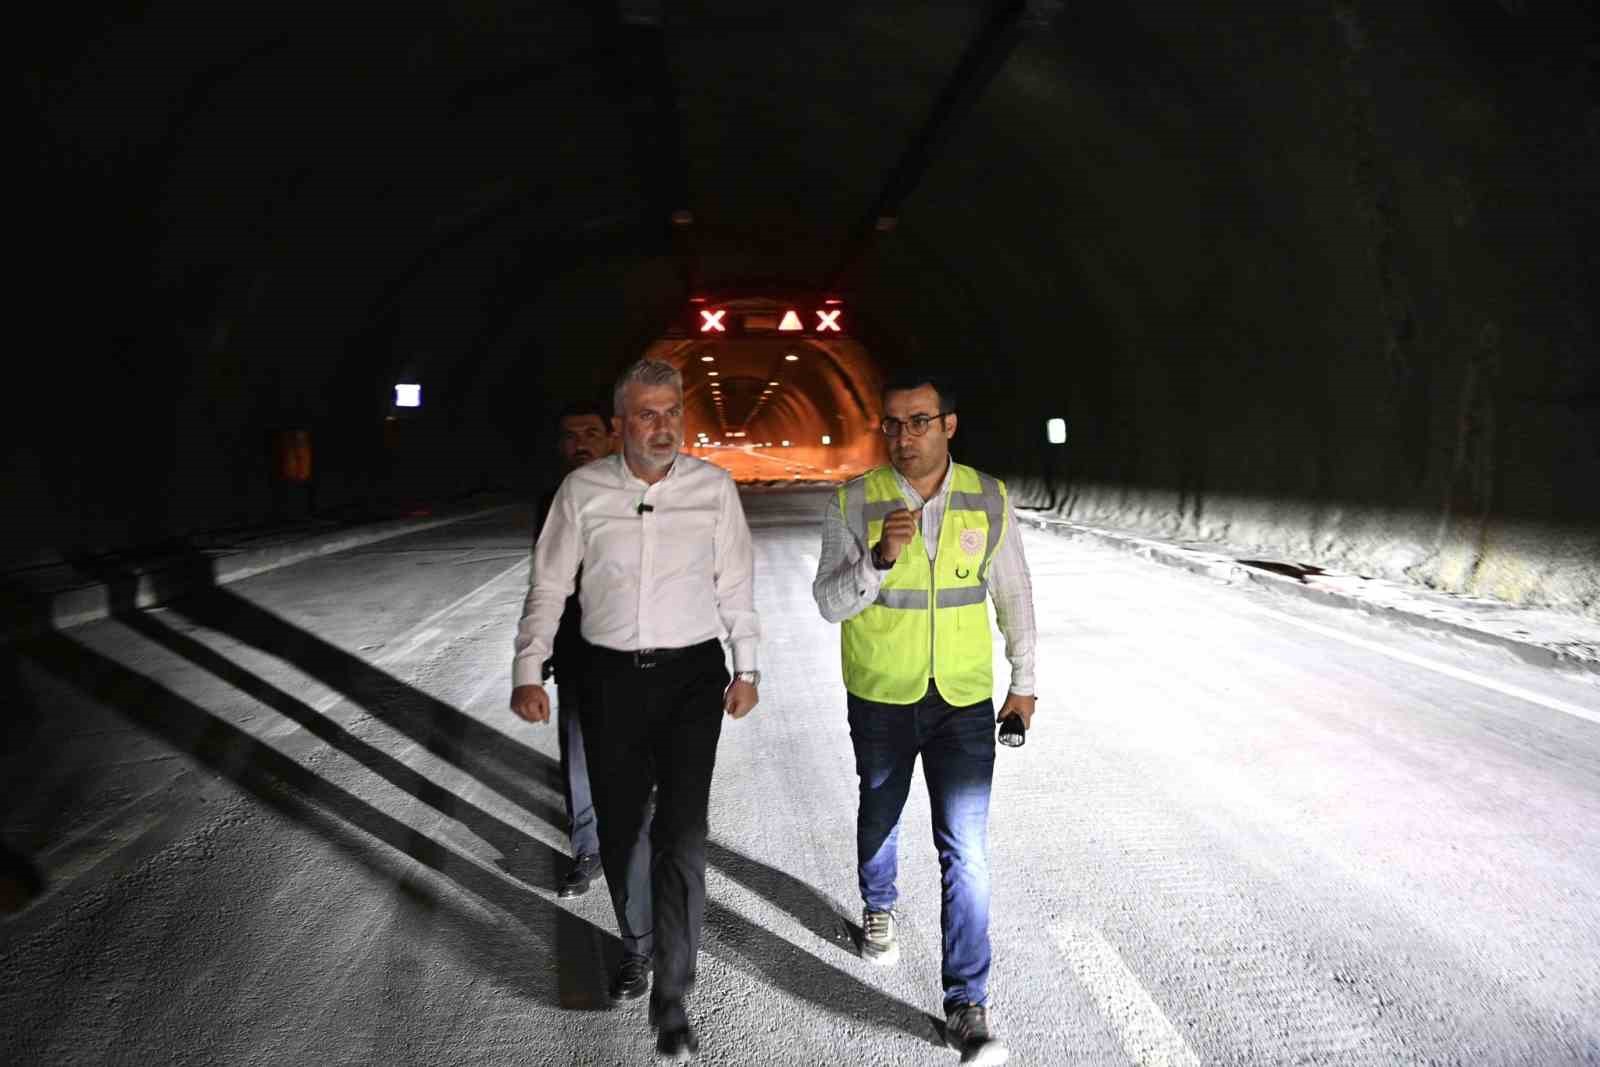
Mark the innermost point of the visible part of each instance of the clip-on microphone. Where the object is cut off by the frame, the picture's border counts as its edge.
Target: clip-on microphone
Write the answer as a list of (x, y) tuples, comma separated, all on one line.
[(642, 508)]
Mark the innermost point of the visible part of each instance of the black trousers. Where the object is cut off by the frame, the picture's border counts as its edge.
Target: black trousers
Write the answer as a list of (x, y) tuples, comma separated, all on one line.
[(655, 726)]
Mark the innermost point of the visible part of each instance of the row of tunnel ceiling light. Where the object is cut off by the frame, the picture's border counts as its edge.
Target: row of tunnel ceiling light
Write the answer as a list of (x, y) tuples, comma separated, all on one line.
[(716, 395), (704, 440)]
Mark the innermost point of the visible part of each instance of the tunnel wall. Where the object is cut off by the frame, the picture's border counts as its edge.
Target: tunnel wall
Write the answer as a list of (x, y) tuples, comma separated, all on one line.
[(1318, 285), (1313, 277)]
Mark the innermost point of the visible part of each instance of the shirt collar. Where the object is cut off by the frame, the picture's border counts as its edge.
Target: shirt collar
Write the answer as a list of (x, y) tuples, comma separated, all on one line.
[(628, 478), (910, 493)]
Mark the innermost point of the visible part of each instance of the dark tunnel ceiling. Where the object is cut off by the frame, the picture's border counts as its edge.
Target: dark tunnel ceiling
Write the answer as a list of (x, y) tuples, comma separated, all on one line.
[(481, 197), (1335, 256), (447, 190)]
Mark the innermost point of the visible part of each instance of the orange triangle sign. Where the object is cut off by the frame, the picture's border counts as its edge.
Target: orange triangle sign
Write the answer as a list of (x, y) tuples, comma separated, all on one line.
[(791, 321)]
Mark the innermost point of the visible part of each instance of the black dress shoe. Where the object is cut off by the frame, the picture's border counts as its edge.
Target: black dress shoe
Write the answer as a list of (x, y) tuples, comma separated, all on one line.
[(677, 1044), (582, 873), (632, 979)]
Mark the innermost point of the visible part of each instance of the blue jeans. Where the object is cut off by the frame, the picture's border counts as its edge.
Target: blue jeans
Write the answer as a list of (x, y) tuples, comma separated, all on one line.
[(957, 750)]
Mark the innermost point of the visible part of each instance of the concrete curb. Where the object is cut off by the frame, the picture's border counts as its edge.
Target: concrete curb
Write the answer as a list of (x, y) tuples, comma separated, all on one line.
[(37, 608), (1578, 650)]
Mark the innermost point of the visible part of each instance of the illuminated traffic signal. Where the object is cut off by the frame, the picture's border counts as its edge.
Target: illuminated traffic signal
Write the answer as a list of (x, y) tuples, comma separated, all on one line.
[(705, 319)]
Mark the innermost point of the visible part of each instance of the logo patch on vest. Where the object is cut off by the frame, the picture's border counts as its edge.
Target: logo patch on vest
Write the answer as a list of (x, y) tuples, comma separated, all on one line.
[(972, 542)]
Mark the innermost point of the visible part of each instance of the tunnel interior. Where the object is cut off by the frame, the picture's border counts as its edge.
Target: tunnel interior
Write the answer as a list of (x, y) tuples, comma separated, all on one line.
[(1317, 280), (772, 408), (1309, 285)]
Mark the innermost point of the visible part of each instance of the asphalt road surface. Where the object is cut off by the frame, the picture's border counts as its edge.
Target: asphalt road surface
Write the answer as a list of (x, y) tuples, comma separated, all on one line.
[(292, 822)]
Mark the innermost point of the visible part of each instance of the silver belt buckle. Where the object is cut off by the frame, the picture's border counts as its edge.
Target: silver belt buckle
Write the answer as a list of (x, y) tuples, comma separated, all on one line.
[(644, 659)]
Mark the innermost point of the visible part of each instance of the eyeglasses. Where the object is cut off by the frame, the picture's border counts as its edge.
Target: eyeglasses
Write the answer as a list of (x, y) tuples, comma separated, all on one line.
[(917, 424)]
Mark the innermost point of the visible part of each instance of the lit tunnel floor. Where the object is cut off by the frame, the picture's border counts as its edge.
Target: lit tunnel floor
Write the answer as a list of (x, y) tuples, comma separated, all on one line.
[(1229, 839), (757, 466)]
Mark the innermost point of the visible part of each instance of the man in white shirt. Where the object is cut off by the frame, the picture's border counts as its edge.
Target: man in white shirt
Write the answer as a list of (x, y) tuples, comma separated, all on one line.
[(667, 573)]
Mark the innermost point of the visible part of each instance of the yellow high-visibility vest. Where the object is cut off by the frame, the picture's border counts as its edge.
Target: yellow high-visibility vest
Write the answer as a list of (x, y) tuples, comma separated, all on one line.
[(930, 620)]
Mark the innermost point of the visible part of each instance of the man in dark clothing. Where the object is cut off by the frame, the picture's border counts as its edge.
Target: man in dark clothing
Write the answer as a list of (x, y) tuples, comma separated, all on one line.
[(583, 436)]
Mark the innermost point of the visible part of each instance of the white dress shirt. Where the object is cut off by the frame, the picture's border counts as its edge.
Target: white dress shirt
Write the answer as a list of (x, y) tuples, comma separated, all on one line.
[(670, 576), (847, 582)]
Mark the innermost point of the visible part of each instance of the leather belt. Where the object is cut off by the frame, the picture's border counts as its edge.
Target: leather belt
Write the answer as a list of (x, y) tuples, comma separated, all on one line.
[(645, 658)]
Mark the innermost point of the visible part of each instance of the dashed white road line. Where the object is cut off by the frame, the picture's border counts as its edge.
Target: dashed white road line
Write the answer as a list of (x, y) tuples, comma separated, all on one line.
[(1148, 1037), (1505, 688), (427, 630)]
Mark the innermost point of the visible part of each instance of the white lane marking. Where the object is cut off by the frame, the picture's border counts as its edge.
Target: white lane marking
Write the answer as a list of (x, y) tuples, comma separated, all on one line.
[(1149, 1039), (748, 451), (424, 631), (443, 612), (1553, 703)]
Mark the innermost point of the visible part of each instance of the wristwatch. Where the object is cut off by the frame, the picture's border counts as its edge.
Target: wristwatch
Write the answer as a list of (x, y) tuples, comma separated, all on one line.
[(753, 677), (878, 562)]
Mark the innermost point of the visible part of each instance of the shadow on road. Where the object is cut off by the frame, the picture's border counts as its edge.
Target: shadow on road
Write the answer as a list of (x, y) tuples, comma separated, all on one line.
[(805, 904), (287, 786), (21, 881)]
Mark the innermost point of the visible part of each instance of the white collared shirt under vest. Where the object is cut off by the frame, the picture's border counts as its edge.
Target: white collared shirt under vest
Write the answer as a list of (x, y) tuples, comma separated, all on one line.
[(671, 576), (847, 582)]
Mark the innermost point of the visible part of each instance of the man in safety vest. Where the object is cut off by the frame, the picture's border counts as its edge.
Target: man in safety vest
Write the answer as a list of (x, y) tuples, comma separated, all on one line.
[(910, 555)]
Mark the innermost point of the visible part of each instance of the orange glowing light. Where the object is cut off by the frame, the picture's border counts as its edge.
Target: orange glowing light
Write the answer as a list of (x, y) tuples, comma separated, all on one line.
[(713, 321), (828, 320), (791, 321)]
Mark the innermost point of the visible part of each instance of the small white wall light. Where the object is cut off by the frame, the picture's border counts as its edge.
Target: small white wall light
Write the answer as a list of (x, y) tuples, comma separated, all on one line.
[(408, 396), (1055, 431), (827, 440)]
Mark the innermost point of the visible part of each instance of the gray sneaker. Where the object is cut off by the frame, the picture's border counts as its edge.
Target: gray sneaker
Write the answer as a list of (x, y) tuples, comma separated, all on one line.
[(879, 945), (966, 1029)]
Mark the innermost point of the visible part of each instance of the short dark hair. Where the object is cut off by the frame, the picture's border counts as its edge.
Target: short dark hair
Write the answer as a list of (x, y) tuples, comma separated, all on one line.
[(915, 378), (599, 407)]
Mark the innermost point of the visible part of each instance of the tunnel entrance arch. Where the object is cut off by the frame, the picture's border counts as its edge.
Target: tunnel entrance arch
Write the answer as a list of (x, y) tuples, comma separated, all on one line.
[(776, 408)]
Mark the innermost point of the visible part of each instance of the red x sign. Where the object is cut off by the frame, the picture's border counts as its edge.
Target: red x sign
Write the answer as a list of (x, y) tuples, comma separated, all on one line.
[(712, 322), (828, 320)]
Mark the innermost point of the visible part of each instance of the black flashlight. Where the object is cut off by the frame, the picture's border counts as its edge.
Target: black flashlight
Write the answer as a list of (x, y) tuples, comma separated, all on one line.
[(1012, 733)]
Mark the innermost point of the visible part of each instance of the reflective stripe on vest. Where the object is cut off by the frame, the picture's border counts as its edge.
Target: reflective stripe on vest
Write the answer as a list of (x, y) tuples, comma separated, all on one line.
[(929, 619)]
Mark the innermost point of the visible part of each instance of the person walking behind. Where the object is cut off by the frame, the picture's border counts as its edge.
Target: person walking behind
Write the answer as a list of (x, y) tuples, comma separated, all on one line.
[(583, 436), (667, 562), (910, 553)]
